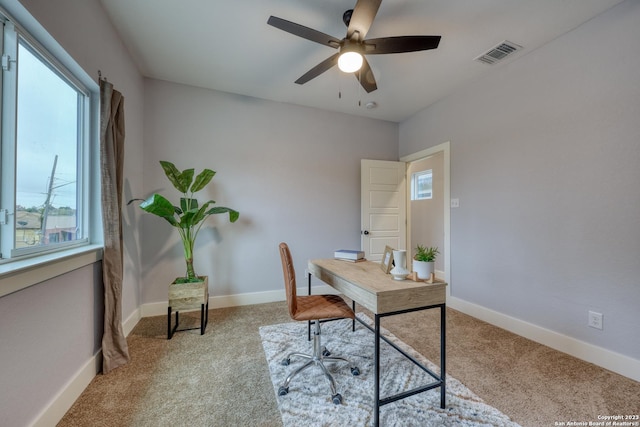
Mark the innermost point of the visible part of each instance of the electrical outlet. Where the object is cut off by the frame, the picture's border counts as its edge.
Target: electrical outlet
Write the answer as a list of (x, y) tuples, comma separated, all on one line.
[(595, 320), (455, 203)]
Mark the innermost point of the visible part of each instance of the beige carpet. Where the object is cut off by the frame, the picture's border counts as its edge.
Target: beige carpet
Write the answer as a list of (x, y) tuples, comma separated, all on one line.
[(222, 378)]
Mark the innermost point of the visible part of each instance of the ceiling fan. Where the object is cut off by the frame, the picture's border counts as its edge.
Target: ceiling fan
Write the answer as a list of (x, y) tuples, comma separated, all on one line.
[(353, 47)]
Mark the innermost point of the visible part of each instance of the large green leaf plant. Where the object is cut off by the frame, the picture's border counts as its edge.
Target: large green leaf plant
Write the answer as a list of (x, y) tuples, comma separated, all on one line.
[(189, 216)]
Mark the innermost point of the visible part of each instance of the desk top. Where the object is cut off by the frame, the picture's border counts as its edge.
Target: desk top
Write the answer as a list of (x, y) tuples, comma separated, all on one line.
[(369, 286)]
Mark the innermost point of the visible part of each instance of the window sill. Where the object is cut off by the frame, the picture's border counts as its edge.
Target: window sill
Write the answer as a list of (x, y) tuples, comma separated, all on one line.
[(18, 275)]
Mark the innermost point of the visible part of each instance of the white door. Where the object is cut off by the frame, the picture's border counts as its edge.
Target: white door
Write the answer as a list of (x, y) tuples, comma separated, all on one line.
[(383, 207)]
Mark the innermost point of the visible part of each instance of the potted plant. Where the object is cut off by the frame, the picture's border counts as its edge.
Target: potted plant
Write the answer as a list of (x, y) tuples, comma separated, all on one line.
[(423, 261), (191, 291), (188, 216)]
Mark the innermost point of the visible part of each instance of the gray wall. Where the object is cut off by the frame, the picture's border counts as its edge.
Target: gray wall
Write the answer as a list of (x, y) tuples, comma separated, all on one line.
[(49, 331), (293, 173), (427, 216), (544, 159)]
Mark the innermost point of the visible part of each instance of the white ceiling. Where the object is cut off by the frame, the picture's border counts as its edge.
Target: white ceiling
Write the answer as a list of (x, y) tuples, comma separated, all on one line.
[(227, 45)]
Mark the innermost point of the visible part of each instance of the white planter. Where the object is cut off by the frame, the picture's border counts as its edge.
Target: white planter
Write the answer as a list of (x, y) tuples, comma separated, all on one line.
[(399, 272), (423, 268)]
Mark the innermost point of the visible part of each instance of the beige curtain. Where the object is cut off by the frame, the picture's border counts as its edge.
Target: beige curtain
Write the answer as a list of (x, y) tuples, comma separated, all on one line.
[(115, 351)]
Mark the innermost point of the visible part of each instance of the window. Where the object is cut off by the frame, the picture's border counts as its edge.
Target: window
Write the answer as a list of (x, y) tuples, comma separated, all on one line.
[(422, 185), (45, 151)]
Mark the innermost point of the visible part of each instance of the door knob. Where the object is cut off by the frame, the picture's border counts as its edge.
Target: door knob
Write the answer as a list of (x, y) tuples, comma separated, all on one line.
[(365, 232)]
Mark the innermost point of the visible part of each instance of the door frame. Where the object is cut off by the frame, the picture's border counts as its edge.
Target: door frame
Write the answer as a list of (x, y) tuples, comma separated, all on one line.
[(445, 149)]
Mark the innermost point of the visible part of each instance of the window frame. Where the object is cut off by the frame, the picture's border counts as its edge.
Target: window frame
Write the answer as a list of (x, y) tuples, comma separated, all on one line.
[(19, 272), (9, 244), (415, 178)]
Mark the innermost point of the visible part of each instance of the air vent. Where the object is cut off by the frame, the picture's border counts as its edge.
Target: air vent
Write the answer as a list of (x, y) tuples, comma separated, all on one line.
[(498, 53)]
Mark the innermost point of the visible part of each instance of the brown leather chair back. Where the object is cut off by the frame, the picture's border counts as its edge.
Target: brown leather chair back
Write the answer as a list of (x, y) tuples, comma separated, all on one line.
[(289, 278)]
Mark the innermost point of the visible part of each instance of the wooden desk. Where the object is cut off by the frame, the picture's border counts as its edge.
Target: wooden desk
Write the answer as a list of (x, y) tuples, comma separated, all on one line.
[(366, 284)]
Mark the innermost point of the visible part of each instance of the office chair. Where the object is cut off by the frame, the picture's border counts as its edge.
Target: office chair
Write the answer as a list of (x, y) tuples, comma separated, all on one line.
[(315, 308)]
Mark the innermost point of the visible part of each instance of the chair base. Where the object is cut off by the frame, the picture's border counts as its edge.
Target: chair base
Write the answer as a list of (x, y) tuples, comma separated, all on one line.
[(318, 358)]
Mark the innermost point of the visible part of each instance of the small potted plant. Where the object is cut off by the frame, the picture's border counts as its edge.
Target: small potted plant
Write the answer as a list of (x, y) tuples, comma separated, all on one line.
[(423, 261)]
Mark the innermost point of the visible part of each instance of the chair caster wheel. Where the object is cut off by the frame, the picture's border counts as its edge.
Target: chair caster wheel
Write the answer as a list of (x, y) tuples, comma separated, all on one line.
[(285, 362), (336, 398), (326, 353), (355, 371), (284, 390)]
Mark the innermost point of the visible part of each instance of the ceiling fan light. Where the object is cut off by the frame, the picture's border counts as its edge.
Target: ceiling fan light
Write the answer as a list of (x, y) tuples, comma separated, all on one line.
[(350, 62)]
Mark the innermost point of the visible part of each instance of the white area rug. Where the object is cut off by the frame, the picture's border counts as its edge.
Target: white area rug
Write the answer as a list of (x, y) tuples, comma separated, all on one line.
[(308, 402)]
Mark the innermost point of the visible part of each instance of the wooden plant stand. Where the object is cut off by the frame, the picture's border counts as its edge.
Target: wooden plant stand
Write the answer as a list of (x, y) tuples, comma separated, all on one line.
[(188, 296)]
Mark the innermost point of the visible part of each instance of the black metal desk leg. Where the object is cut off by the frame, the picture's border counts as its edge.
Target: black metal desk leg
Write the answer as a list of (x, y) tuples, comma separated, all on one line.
[(443, 357), (376, 375)]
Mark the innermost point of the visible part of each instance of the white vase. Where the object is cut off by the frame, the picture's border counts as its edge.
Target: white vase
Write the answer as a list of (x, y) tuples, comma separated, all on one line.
[(423, 269), (400, 272)]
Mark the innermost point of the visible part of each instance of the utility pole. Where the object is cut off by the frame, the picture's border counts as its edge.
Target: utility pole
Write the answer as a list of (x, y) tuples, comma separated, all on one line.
[(46, 203)]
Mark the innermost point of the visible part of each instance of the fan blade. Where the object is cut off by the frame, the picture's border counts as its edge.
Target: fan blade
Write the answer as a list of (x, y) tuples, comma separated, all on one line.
[(304, 32), (365, 77), (400, 44), (362, 18), (319, 69)]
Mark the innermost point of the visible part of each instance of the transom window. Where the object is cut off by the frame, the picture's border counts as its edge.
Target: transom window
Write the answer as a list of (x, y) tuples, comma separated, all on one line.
[(422, 185)]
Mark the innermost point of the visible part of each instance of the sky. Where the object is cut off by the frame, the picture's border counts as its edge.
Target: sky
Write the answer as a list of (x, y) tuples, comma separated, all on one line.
[(46, 127)]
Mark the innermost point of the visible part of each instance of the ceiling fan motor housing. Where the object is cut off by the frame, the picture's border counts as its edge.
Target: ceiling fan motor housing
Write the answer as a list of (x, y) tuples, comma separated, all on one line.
[(346, 17), (351, 46)]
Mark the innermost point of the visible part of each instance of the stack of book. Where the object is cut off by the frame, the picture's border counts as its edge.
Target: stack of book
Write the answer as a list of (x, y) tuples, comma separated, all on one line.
[(349, 255)]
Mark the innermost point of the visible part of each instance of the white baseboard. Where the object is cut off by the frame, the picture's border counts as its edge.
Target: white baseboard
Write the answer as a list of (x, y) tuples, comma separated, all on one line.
[(619, 363), (131, 321), (60, 404)]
